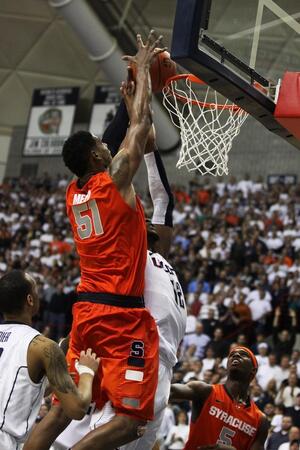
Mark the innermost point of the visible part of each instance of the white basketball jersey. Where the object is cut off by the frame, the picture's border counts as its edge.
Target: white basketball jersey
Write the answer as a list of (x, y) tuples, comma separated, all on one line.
[(164, 298), (20, 398)]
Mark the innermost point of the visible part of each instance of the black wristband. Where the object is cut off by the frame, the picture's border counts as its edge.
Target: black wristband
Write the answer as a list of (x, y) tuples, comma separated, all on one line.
[(116, 131)]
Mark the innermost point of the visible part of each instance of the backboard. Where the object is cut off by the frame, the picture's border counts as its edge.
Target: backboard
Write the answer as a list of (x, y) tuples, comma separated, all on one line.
[(241, 48)]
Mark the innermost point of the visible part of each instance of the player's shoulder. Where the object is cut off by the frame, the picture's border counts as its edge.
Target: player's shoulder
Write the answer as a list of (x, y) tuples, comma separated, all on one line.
[(262, 417), (45, 352), (201, 389), (41, 344), (72, 185), (71, 188), (158, 256), (264, 422), (263, 428)]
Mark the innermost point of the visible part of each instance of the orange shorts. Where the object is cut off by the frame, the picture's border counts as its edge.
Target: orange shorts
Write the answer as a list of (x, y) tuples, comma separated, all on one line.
[(126, 340)]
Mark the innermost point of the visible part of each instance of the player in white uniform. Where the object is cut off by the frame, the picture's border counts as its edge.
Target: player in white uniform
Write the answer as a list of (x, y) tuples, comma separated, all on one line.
[(163, 297), (20, 397), (26, 358)]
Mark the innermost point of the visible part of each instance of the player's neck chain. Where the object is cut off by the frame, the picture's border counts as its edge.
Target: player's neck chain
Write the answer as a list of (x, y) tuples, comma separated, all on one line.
[(241, 402)]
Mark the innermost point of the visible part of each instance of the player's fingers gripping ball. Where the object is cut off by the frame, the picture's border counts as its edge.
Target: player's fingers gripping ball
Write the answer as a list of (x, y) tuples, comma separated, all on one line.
[(162, 68)]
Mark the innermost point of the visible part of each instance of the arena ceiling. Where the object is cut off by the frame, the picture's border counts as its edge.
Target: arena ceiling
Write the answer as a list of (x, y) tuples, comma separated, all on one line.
[(38, 49)]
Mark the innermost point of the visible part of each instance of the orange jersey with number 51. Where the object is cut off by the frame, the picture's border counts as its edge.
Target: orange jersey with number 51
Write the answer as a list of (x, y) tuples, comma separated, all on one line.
[(109, 235), (223, 421)]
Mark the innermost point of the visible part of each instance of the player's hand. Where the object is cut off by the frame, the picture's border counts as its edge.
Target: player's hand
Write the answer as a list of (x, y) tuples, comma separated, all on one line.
[(89, 359), (127, 90), (146, 52)]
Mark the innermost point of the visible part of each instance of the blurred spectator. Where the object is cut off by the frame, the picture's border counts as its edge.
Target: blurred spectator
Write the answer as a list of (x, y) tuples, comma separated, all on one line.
[(195, 372), (167, 423), (284, 340), (276, 422), (287, 394), (269, 372), (262, 356), (260, 306), (178, 434), (269, 410), (218, 344), (210, 309), (295, 360), (294, 439), (194, 344), (294, 411), (209, 361), (57, 312), (191, 321), (258, 396), (285, 368), (279, 437)]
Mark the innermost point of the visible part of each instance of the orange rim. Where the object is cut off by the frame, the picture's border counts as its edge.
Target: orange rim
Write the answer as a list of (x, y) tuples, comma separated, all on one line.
[(193, 79)]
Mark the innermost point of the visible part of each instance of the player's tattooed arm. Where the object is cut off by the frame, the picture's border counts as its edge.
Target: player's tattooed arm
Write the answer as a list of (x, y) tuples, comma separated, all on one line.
[(57, 370), (50, 357)]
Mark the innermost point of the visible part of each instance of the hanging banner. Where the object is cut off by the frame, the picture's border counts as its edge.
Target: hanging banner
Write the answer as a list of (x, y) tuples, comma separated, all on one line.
[(106, 101), (50, 121)]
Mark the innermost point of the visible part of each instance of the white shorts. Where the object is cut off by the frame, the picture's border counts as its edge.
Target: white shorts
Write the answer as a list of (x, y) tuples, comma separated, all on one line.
[(147, 441), (8, 442), (78, 429), (73, 433)]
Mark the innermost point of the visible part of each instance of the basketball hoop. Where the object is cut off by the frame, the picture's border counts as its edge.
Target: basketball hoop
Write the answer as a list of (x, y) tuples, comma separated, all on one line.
[(207, 127)]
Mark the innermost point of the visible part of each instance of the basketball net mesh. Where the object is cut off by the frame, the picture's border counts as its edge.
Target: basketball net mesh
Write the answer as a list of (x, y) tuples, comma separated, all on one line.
[(207, 128)]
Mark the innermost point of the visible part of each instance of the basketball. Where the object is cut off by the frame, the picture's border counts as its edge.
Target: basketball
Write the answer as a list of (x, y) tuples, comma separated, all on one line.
[(162, 68)]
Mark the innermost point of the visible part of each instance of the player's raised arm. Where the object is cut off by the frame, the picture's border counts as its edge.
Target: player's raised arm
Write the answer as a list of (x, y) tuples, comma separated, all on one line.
[(47, 355), (161, 195), (160, 190), (194, 390), (127, 161)]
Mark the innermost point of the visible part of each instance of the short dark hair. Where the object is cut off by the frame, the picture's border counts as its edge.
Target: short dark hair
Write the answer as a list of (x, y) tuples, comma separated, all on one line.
[(76, 152), (14, 288)]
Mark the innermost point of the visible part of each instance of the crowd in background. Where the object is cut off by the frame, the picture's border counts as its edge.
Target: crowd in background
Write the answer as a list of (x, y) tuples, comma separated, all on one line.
[(236, 250)]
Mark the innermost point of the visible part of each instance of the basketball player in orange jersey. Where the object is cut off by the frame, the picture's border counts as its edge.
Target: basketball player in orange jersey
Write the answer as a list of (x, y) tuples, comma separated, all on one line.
[(223, 416), (109, 230), (165, 303)]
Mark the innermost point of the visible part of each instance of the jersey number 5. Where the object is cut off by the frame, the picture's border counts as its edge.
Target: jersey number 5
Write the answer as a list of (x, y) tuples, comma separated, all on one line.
[(225, 436), (87, 223)]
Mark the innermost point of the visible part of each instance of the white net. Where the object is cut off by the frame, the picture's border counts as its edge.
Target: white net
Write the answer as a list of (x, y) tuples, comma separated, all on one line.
[(207, 127)]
